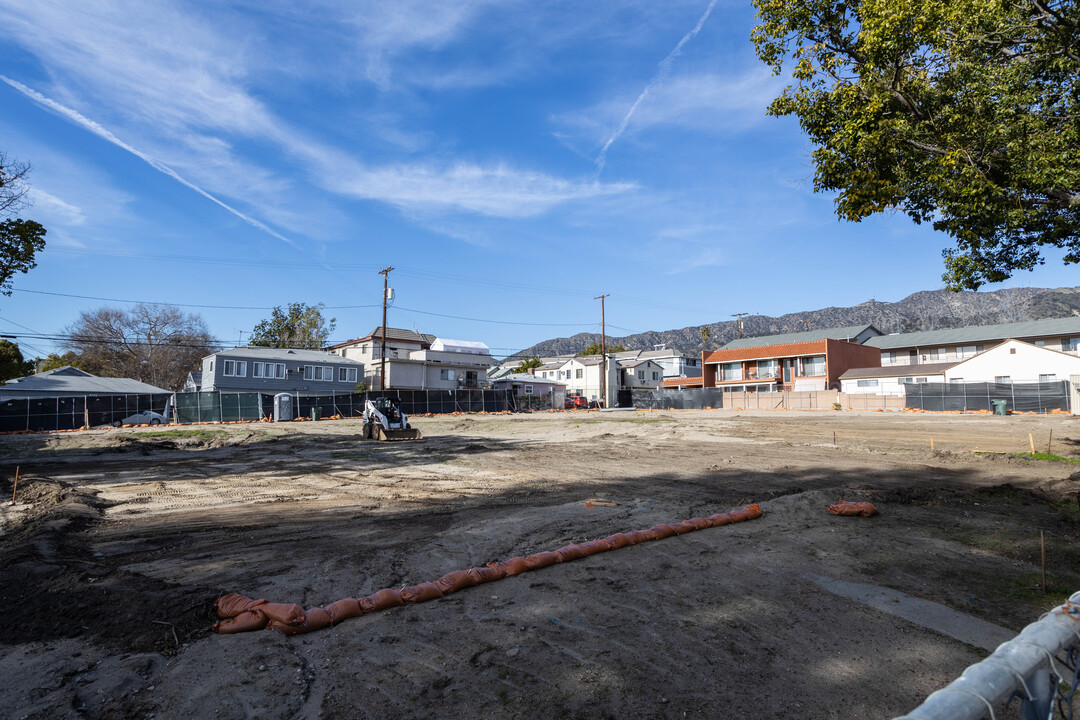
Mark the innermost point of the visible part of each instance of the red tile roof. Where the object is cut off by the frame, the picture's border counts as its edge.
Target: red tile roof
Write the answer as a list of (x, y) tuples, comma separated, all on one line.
[(682, 382), (813, 347)]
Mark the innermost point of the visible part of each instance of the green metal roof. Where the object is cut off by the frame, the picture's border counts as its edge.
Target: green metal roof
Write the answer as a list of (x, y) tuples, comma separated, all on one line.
[(979, 333), (842, 333)]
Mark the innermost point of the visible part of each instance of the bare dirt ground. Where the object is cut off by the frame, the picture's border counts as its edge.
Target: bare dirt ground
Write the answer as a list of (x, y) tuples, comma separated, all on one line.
[(120, 541)]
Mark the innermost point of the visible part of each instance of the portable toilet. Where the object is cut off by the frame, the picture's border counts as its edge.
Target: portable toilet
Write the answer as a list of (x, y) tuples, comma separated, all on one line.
[(283, 407)]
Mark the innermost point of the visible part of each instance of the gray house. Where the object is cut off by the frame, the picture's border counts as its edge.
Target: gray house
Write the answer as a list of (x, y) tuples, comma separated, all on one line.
[(65, 381), (273, 370)]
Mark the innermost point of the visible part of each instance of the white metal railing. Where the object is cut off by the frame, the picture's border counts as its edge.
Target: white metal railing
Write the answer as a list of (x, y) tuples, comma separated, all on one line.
[(1028, 667)]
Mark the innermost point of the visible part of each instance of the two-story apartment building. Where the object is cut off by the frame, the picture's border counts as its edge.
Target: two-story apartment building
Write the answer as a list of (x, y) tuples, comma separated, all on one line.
[(416, 361), (274, 370), (806, 365), (640, 374), (955, 345)]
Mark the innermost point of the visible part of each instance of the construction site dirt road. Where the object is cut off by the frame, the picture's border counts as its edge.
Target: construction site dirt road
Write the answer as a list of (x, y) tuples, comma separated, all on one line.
[(119, 542)]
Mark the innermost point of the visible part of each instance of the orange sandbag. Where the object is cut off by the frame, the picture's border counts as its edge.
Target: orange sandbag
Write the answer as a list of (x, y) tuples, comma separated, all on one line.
[(421, 593), (570, 552), (512, 566), (663, 530), (314, 619), (241, 613), (541, 560), (457, 580), (284, 613), (342, 609), (595, 546), (490, 573), (233, 604), (862, 509), (243, 622), (382, 600)]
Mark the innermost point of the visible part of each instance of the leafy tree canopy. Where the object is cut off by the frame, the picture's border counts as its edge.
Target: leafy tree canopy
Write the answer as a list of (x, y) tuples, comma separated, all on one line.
[(301, 327), (595, 349), (962, 113), (526, 365), (53, 361), (20, 240), (12, 364)]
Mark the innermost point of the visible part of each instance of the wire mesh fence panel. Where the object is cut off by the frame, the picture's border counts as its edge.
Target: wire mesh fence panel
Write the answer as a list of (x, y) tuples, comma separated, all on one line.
[(691, 399), (533, 403), (1018, 397)]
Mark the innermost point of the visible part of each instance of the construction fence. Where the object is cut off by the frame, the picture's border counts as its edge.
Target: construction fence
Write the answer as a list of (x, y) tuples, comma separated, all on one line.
[(1037, 397), (68, 413)]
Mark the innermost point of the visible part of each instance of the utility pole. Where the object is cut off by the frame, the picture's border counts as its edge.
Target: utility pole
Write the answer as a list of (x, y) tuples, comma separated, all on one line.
[(385, 272), (739, 316), (603, 351)]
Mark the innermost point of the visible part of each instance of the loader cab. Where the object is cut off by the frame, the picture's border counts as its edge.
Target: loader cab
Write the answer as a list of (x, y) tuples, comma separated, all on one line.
[(389, 408)]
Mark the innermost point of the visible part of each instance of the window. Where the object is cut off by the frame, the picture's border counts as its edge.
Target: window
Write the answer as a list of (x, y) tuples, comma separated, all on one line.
[(1003, 379), (528, 389), (235, 368), (867, 383), (965, 351), (1070, 344), (578, 374), (1040, 343), (731, 371), (445, 374), (906, 381), (655, 375), (1048, 378), (921, 380), (278, 370), (938, 354), (641, 375), (309, 372), (347, 375), (211, 366), (813, 365), (767, 369), (887, 358), (956, 381)]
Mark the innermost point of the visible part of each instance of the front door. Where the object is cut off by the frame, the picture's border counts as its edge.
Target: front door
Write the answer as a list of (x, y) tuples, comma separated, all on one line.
[(787, 372)]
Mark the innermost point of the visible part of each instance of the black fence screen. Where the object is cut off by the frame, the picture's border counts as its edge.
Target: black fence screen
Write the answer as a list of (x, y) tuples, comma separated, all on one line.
[(70, 412), (693, 399), (1019, 397)]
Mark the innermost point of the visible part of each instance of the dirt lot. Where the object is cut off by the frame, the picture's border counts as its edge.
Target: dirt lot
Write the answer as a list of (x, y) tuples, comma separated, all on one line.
[(120, 541)]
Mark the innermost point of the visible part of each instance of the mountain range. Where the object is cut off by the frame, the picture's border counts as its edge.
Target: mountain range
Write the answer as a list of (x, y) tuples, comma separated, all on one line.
[(926, 310)]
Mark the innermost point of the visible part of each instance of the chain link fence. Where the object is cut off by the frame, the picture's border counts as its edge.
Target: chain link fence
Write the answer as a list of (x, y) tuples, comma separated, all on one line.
[(1018, 397), (70, 412)]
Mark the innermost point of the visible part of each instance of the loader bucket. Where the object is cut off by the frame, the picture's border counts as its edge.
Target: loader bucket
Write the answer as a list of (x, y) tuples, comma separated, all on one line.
[(410, 434)]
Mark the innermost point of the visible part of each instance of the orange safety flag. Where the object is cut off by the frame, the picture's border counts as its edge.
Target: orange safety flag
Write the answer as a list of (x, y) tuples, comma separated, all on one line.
[(240, 613), (862, 509)]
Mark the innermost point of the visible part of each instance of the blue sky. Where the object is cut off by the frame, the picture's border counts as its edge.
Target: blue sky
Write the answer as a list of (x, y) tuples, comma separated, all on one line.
[(511, 160)]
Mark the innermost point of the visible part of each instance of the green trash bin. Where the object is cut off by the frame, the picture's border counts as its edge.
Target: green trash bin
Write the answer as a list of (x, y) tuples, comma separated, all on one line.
[(316, 414), (999, 407)]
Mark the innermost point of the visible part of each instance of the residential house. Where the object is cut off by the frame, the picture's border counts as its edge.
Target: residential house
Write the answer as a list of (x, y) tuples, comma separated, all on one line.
[(674, 363), (769, 367), (582, 377), (529, 384), (69, 381), (193, 382), (640, 374), (890, 379), (957, 344), (416, 361), (276, 370)]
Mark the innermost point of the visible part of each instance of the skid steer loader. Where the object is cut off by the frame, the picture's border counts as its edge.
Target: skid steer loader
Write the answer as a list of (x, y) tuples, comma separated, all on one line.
[(383, 420)]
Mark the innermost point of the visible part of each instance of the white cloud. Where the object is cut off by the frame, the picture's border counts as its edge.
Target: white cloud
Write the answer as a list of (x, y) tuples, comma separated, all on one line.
[(49, 209)]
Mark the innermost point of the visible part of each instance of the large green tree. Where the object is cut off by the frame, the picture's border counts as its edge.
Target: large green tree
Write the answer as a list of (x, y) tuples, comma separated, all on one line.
[(962, 113), (12, 363), (526, 365), (595, 349), (20, 240), (301, 326)]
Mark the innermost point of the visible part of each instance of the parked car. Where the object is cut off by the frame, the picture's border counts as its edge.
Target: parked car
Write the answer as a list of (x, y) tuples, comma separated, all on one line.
[(576, 402), (143, 417)]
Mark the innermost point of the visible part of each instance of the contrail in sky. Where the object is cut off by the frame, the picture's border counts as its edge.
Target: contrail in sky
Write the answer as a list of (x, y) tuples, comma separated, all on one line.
[(100, 131), (665, 68)]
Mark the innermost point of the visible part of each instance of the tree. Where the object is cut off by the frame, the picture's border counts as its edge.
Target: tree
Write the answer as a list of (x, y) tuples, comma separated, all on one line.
[(301, 327), (962, 113), (20, 240), (705, 333), (595, 349), (53, 361), (526, 365), (157, 344), (12, 364)]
